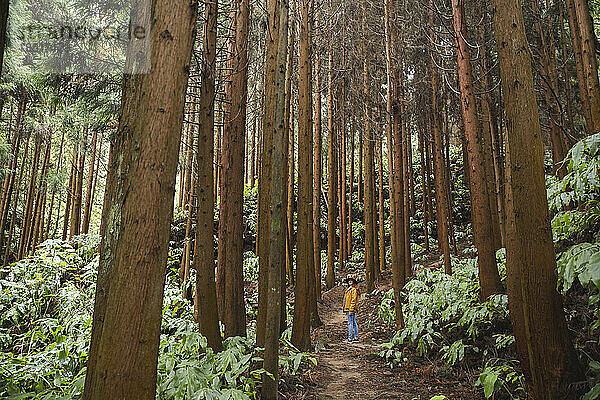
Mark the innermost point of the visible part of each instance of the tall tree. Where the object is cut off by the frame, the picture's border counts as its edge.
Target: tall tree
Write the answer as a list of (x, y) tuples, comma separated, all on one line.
[(545, 350), (277, 198), (590, 62), (138, 210), (489, 277), (305, 256), (439, 176), (331, 178), (230, 277), (204, 253), (264, 183), (3, 25)]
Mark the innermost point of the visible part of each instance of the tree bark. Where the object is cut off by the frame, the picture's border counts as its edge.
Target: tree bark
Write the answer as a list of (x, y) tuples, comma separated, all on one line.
[(547, 356), (305, 257), (230, 277), (88, 197), (277, 198), (481, 215), (264, 183), (332, 174), (590, 62), (138, 212), (440, 198)]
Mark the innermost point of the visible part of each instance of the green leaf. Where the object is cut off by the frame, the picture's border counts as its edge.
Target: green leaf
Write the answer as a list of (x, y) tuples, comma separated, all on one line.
[(438, 397), (592, 394), (489, 381)]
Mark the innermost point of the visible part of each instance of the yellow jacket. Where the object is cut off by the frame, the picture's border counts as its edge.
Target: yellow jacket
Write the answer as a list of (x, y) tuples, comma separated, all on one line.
[(351, 299)]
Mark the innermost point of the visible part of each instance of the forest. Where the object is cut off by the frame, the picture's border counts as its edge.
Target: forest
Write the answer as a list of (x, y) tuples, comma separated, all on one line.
[(190, 191)]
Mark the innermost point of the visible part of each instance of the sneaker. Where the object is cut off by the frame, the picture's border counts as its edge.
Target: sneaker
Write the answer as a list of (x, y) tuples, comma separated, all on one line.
[(348, 341), (355, 340)]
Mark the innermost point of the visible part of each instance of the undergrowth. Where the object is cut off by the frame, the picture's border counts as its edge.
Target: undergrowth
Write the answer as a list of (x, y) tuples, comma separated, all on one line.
[(46, 306)]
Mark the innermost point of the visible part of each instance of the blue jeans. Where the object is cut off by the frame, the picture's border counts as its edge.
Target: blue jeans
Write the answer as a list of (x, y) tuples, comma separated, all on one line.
[(352, 326)]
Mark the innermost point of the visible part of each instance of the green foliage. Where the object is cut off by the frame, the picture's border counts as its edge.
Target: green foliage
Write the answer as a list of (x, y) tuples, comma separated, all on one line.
[(443, 314), (501, 376), (46, 305), (575, 199)]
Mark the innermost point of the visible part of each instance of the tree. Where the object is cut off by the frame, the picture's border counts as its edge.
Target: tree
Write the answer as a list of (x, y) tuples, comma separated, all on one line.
[(590, 62), (278, 196), (439, 176), (230, 285), (331, 179), (206, 296), (489, 277), (545, 350), (305, 256), (138, 211), (3, 25), (264, 183)]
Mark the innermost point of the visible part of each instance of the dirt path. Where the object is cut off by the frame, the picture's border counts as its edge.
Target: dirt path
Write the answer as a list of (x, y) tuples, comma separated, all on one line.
[(355, 371)]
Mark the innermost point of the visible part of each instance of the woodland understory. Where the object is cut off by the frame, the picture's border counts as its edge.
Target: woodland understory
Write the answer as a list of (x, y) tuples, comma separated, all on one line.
[(186, 232)]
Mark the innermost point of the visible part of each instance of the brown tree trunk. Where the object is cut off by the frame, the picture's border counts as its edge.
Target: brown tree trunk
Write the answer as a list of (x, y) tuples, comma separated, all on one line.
[(566, 75), (88, 197), (138, 211), (3, 25), (317, 179), (369, 171), (204, 253), (547, 356), (70, 191), (590, 62), (13, 218), (289, 127), (230, 277), (439, 176), (30, 199), (349, 227), (425, 189), (578, 56), (332, 174), (481, 215), (381, 265), (303, 305), (277, 199), (398, 268), (264, 182), (396, 236)]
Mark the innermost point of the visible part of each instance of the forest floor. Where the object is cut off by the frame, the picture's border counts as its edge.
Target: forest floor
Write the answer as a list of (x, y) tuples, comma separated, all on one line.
[(355, 371)]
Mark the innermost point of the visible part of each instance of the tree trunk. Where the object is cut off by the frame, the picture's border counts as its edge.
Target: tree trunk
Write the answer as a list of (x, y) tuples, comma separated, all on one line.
[(277, 198), (577, 55), (70, 191), (230, 276), (138, 212), (88, 197), (547, 356), (317, 179), (439, 176), (590, 62), (368, 189), (289, 127), (264, 182), (381, 211), (332, 175), (204, 253), (30, 199), (396, 236), (305, 256), (3, 25), (481, 215)]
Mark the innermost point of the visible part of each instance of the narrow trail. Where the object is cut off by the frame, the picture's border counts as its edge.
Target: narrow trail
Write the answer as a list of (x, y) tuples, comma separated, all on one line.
[(355, 371)]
